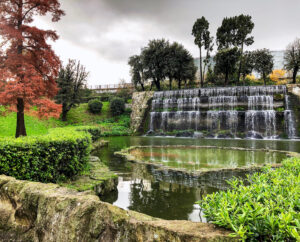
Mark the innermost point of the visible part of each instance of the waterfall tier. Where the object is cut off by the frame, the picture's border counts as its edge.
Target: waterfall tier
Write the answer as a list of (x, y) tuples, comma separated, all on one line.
[(251, 112)]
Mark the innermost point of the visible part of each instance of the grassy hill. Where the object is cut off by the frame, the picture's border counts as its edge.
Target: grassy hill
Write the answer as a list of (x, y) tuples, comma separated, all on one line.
[(76, 117)]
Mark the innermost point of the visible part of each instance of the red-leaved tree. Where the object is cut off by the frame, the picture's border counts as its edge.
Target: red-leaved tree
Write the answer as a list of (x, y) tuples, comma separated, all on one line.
[(28, 65)]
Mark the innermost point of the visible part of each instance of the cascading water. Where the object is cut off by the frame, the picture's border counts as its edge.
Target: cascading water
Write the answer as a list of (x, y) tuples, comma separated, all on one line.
[(252, 112), (289, 120)]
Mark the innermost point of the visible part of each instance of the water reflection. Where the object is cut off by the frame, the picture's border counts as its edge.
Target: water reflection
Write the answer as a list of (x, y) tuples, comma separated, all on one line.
[(165, 194), (159, 199), (195, 158)]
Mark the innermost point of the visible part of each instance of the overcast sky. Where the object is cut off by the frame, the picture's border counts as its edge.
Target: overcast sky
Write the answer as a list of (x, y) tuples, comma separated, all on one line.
[(103, 34)]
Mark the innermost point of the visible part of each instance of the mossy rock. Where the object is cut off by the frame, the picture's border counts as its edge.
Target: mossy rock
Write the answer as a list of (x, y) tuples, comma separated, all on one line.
[(99, 180)]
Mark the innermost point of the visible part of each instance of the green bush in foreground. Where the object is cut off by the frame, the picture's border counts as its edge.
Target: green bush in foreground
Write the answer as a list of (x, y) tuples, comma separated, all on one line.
[(95, 106), (61, 154), (117, 106), (266, 210)]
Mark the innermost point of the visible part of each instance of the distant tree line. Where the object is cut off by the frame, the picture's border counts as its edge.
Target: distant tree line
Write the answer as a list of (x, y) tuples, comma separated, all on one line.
[(162, 62), (231, 62)]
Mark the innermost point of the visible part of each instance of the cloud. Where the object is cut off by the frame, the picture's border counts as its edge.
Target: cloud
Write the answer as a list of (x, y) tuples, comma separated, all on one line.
[(117, 29)]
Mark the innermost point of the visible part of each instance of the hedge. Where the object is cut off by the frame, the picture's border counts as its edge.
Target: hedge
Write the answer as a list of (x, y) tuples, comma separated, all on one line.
[(61, 154), (94, 131), (268, 209)]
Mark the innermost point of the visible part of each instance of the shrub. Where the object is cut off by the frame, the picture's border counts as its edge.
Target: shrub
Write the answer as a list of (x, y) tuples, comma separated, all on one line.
[(95, 106), (56, 156), (117, 106), (125, 93), (95, 132), (266, 210), (105, 97)]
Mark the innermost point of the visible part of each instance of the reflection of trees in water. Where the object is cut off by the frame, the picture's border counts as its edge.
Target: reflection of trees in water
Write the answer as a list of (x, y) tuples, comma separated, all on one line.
[(110, 197), (170, 201)]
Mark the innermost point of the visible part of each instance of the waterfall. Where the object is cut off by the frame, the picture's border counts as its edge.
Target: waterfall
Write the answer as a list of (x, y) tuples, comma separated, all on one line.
[(289, 120), (223, 112)]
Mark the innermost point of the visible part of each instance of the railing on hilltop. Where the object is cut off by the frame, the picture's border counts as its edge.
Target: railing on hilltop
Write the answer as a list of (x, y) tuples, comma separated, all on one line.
[(111, 87)]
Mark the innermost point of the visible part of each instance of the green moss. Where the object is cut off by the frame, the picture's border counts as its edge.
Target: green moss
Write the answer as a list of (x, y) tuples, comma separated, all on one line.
[(97, 179)]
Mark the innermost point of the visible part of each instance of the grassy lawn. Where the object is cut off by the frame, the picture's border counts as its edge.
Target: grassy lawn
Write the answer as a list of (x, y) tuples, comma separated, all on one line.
[(81, 116), (76, 117), (34, 126)]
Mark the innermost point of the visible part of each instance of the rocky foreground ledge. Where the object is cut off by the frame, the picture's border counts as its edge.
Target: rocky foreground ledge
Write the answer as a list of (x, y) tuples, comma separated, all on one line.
[(31, 211)]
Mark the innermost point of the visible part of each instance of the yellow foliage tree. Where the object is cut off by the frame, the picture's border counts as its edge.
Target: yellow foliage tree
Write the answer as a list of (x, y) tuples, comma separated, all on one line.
[(277, 76)]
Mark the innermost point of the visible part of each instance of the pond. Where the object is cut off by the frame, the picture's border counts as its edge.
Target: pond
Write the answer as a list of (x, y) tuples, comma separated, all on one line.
[(145, 189), (194, 158)]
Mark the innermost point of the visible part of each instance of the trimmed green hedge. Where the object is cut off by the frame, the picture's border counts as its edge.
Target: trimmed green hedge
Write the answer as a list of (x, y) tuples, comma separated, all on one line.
[(94, 131), (56, 156), (266, 210)]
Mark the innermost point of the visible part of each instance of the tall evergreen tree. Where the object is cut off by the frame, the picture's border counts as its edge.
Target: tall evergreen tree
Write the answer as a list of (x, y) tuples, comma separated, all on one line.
[(202, 40), (155, 60), (182, 64), (71, 80), (226, 62), (263, 63), (235, 32), (137, 71)]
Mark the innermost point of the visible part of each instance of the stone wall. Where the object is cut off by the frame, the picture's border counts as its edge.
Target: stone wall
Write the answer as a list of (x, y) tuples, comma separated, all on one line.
[(141, 104), (31, 211), (294, 89)]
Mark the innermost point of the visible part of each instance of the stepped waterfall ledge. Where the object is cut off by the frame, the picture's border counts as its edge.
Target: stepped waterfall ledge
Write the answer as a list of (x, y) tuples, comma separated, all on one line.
[(259, 112)]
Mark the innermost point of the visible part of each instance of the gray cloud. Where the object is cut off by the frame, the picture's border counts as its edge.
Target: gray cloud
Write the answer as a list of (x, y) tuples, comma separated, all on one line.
[(95, 24)]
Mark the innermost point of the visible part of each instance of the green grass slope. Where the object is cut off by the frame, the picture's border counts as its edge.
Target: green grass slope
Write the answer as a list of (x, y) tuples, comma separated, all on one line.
[(79, 116)]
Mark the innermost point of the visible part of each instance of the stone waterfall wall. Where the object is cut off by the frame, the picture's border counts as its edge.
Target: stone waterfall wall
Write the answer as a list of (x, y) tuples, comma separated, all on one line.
[(31, 211), (141, 104)]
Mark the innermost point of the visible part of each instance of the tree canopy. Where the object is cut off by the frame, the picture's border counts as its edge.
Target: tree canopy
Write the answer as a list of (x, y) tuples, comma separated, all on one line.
[(137, 71), (292, 58), (235, 31), (263, 62), (71, 81), (28, 64), (202, 39), (226, 62), (160, 61)]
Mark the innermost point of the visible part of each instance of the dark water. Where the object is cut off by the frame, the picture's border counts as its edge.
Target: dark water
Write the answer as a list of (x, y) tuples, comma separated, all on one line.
[(145, 189)]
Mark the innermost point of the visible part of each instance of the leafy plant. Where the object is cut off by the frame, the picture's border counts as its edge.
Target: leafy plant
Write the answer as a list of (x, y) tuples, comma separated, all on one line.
[(117, 106), (266, 210), (95, 106)]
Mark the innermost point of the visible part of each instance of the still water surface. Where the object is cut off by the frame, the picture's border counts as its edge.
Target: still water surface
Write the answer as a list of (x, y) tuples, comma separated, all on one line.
[(196, 158), (144, 189)]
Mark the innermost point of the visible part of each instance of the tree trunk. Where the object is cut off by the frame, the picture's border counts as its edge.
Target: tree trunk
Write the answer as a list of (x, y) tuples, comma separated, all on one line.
[(157, 84), (226, 78), (264, 77), (151, 86), (170, 84), (21, 130), (179, 84), (240, 65), (64, 112), (143, 88), (201, 77), (295, 72)]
